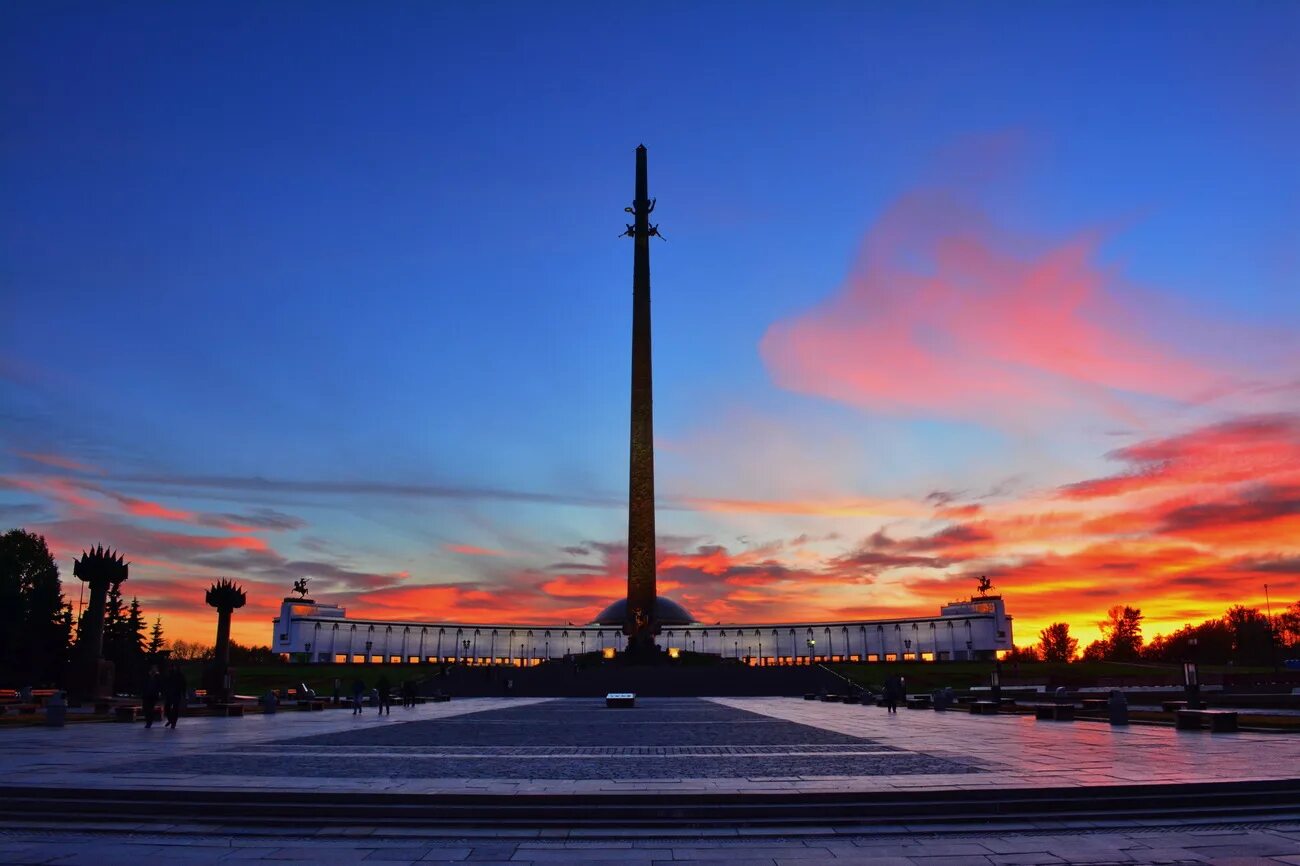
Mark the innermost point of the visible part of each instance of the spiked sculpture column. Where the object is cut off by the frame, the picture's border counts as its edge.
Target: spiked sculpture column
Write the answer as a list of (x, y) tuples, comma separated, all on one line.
[(99, 569), (225, 597), (640, 626)]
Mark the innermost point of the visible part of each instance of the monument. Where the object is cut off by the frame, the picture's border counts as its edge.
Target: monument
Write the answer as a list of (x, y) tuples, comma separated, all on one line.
[(226, 597), (640, 623), (93, 675)]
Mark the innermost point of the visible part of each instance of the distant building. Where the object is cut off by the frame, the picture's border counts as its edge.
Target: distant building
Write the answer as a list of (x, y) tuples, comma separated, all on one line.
[(308, 631)]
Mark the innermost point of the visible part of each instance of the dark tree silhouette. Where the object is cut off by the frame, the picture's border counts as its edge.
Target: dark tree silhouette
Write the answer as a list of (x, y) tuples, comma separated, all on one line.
[(1055, 643), (1122, 634), (35, 622), (156, 641)]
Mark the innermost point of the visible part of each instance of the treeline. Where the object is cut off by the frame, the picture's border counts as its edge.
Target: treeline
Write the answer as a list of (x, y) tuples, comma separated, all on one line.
[(38, 638), (187, 651), (1242, 636)]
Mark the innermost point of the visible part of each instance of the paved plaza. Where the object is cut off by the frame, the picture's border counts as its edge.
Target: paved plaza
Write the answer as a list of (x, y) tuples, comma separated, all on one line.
[(521, 747), (529, 746)]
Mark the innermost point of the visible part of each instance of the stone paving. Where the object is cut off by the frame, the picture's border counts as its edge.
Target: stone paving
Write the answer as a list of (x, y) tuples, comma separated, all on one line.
[(574, 739), (1227, 845), (706, 750)]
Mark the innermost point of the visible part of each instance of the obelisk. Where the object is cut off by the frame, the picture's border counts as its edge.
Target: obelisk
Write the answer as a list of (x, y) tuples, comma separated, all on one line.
[(639, 625)]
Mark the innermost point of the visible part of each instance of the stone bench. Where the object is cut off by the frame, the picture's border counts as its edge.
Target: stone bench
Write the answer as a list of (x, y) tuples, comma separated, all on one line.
[(1098, 704), (832, 699), (984, 708), (918, 702), (1218, 720), (1054, 712), (621, 700), (311, 706), (810, 697), (1172, 706), (125, 714), (228, 710)]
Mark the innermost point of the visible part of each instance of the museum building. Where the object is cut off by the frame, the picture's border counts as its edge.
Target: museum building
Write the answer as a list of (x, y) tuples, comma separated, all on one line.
[(312, 632)]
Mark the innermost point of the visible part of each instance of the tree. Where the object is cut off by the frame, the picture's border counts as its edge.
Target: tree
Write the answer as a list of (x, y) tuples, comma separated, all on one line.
[(1023, 654), (33, 621), (156, 641), (1252, 635), (1096, 651), (1055, 643), (185, 651), (1122, 632), (1289, 625)]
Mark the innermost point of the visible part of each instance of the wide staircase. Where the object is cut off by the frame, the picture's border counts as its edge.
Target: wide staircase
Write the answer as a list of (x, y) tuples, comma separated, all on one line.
[(560, 679)]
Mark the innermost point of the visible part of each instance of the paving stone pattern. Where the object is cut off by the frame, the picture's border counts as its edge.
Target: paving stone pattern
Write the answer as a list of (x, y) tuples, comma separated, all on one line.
[(573, 739)]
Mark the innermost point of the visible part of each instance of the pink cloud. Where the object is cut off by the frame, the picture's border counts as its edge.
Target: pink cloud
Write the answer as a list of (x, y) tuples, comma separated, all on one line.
[(945, 315)]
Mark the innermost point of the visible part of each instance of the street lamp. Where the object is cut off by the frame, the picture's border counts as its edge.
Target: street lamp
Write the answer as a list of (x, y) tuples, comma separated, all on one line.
[(465, 645), (811, 643)]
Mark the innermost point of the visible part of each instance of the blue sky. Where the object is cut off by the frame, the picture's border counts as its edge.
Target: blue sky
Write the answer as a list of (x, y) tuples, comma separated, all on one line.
[(378, 245)]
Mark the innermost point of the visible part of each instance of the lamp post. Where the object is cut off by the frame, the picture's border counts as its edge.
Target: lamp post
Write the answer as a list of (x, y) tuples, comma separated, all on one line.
[(1191, 676), (996, 679), (465, 645), (521, 655), (811, 643)]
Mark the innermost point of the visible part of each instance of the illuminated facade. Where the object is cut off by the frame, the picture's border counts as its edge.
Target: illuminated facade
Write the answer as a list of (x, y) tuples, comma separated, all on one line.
[(322, 633)]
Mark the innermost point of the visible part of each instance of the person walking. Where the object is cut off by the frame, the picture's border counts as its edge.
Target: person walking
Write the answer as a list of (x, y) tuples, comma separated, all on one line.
[(384, 691), (358, 694), (149, 695), (173, 691)]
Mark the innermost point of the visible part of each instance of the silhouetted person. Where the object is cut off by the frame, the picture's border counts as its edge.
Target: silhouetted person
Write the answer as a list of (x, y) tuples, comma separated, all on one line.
[(358, 694), (173, 691), (383, 691), (893, 692), (149, 695)]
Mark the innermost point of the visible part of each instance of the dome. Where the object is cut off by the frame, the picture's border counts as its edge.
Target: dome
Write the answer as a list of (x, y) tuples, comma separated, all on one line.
[(667, 612)]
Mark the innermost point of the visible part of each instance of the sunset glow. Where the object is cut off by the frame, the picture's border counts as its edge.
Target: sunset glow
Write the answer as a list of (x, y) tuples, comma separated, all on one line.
[(341, 317)]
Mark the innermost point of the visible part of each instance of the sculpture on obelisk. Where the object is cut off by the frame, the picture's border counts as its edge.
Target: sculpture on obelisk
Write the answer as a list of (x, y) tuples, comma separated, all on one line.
[(639, 625)]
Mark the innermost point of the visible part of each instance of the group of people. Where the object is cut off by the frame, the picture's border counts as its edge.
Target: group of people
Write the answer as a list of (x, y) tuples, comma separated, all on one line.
[(171, 687), (383, 694)]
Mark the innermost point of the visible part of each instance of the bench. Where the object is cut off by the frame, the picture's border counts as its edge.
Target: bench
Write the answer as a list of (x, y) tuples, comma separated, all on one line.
[(125, 714), (810, 697), (852, 699), (1096, 704), (228, 710), (311, 706), (440, 698), (1172, 706), (1219, 720), (1054, 712), (832, 699), (918, 702), (984, 708), (624, 700)]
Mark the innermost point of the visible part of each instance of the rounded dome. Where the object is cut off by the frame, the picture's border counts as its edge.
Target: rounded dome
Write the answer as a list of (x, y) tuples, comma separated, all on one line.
[(667, 612)]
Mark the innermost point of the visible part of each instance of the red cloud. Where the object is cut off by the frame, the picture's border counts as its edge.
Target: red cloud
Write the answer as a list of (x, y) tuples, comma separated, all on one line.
[(1243, 449)]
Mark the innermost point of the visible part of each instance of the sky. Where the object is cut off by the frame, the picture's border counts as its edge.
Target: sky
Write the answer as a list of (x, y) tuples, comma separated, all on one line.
[(336, 291)]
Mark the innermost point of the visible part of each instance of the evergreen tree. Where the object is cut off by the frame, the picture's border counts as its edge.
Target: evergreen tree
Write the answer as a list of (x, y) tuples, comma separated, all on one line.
[(33, 637), (156, 642), (135, 630)]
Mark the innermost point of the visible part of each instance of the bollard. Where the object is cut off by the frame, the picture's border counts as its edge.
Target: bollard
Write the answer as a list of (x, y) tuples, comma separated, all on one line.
[(56, 710), (269, 702), (1118, 708)]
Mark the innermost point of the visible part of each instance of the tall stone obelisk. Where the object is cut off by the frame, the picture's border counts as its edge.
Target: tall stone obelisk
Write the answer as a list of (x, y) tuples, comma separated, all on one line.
[(640, 626)]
